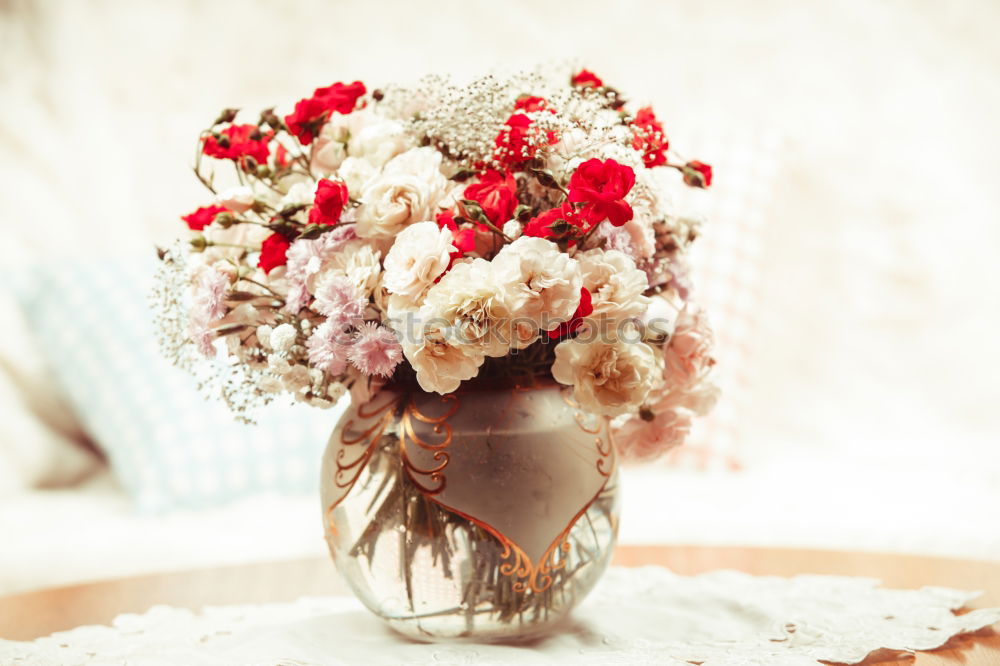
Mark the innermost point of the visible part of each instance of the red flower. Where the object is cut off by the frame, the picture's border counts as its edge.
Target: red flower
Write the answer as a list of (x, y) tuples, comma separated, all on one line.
[(203, 217), (238, 141), (697, 174), (272, 252), (649, 138), (586, 78), (519, 141), (584, 309), (464, 240), (602, 187), (496, 194), (531, 103), (312, 112), (331, 197), (540, 226)]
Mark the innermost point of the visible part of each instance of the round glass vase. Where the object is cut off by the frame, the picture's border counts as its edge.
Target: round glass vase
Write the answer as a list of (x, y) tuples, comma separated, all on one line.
[(482, 515)]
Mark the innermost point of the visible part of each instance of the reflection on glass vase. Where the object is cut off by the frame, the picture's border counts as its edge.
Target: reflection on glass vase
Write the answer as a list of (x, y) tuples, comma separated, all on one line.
[(481, 515)]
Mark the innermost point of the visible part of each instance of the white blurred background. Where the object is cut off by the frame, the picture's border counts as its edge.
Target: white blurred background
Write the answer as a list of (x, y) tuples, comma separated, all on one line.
[(868, 414)]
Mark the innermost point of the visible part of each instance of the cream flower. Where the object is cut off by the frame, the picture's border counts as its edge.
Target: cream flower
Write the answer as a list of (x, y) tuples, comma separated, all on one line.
[(357, 173), (441, 364), (473, 307), (543, 284), (688, 354), (607, 377), (419, 255), (649, 438), (379, 142), (616, 288), (238, 199), (358, 261), (406, 191)]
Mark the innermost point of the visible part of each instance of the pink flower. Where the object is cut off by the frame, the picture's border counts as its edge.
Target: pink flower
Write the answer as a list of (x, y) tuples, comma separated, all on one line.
[(328, 349), (687, 355), (641, 439), (337, 298), (305, 258), (208, 305), (375, 351)]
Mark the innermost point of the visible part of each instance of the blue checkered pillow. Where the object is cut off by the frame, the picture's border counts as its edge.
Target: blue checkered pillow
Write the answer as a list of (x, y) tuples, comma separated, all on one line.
[(169, 445)]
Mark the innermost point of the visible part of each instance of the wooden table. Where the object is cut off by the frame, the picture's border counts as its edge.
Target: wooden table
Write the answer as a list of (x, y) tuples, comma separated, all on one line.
[(27, 616)]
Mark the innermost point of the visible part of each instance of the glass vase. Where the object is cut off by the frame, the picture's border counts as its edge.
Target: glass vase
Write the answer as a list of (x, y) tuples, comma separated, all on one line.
[(481, 515)]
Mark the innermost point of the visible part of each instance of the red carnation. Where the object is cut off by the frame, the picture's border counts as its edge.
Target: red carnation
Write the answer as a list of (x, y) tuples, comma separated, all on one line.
[(649, 138), (496, 194), (238, 141), (311, 113), (331, 197), (697, 174), (519, 140), (586, 78), (541, 226), (584, 309), (273, 252), (530, 103), (203, 217), (602, 187)]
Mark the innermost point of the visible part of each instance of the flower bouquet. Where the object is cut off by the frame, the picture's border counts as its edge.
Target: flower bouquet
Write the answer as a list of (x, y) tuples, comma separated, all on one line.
[(494, 272)]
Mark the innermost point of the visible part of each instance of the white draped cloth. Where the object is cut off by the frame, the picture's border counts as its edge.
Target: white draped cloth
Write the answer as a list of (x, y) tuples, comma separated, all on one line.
[(635, 616)]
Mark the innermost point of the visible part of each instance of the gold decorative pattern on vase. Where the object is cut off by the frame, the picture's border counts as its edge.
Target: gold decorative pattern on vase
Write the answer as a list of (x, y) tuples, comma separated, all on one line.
[(430, 480), (519, 466)]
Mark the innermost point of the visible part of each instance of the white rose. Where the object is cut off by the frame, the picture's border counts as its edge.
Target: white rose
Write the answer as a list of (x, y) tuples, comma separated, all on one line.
[(419, 255), (406, 191), (441, 363), (660, 317), (299, 194), (616, 287), (608, 377), (327, 156), (238, 199), (543, 283), (474, 306), (380, 142)]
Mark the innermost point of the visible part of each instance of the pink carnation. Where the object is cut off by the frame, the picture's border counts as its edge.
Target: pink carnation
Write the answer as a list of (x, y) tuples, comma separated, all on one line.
[(687, 355), (337, 298), (375, 351), (305, 258), (208, 305), (327, 348), (639, 439)]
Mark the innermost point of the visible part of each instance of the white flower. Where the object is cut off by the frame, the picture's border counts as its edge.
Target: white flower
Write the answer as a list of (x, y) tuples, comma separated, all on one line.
[(380, 142), (473, 306), (299, 194), (407, 191), (512, 229), (238, 199), (441, 364), (357, 261), (543, 284), (282, 337), (616, 287), (419, 255), (357, 173), (608, 377), (660, 317)]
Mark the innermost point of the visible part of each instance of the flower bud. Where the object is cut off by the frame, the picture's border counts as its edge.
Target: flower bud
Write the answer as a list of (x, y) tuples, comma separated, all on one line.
[(224, 220), (227, 116), (697, 174), (198, 243)]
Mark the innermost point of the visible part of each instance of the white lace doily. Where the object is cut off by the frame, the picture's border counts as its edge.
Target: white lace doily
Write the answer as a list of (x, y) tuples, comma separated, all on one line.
[(635, 616)]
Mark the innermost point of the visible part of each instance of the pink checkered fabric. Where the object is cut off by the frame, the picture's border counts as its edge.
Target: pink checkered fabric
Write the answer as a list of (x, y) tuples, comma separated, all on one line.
[(726, 270)]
